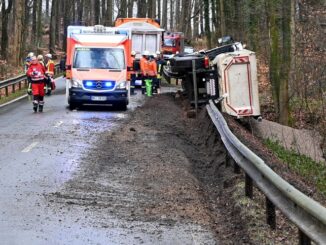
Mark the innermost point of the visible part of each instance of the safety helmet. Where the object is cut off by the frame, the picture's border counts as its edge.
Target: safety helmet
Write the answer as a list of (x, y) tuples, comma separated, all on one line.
[(158, 52), (155, 56), (133, 53), (30, 54), (48, 56), (146, 53), (40, 57)]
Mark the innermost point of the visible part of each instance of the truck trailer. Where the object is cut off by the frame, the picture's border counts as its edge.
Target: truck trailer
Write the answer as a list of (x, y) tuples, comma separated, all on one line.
[(226, 74), (96, 66)]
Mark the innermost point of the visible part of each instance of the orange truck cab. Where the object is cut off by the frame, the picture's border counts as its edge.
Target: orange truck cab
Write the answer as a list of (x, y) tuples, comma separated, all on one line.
[(173, 44), (96, 66)]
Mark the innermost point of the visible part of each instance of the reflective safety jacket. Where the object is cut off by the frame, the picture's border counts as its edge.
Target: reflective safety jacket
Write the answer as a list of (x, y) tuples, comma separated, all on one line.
[(148, 67), (36, 72), (50, 68), (160, 64)]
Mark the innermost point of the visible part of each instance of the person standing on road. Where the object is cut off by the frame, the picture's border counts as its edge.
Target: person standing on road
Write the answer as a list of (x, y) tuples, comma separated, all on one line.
[(40, 59), (143, 69), (50, 69), (149, 71), (160, 63), (133, 73), (36, 73), (63, 65)]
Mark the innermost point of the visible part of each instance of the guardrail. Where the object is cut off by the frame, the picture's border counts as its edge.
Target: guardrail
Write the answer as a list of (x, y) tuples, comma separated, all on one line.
[(308, 215), (20, 80)]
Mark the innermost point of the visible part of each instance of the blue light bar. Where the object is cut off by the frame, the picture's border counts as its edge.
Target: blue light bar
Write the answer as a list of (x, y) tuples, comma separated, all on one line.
[(89, 84), (108, 84)]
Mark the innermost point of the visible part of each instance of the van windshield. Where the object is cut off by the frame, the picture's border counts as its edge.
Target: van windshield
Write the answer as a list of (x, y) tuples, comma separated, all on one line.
[(99, 58), (169, 42)]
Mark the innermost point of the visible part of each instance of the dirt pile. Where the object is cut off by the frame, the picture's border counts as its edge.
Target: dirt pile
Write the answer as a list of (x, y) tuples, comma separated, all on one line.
[(161, 166)]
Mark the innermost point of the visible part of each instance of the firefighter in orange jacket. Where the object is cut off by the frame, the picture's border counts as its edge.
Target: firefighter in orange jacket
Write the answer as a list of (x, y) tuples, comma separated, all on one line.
[(36, 73), (148, 68), (143, 62), (50, 69)]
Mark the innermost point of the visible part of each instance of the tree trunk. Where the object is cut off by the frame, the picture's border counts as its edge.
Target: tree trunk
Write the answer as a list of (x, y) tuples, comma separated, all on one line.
[(4, 32), (109, 13), (26, 31), (58, 22), (66, 22), (286, 63), (159, 10), (34, 24), (97, 12), (177, 15), (80, 11), (18, 25), (171, 15), (141, 9), (150, 9), (223, 28), (165, 15), (52, 27), (130, 8), (207, 24), (47, 8), (39, 30), (122, 13), (196, 19)]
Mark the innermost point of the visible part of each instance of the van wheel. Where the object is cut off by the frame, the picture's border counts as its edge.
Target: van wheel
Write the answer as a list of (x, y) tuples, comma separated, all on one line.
[(72, 106)]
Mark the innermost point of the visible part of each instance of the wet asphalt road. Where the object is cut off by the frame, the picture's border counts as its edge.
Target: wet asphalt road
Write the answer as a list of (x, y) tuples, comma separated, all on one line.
[(39, 153)]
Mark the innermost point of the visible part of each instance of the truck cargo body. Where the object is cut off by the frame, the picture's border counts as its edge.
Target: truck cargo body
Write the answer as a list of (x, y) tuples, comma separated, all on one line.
[(237, 74), (146, 34), (97, 60)]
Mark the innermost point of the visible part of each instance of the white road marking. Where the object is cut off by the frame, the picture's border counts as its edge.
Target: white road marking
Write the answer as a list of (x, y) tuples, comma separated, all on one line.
[(194, 238), (58, 124), (30, 147)]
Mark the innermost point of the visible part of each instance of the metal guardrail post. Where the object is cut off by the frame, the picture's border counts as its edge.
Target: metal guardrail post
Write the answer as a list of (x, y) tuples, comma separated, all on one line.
[(270, 214), (236, 168), (7, 91), (248, 186), (303, 239), (194, 77)]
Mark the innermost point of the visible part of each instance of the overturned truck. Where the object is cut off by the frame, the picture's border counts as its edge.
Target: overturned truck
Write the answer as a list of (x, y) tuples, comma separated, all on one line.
[(227, 74)]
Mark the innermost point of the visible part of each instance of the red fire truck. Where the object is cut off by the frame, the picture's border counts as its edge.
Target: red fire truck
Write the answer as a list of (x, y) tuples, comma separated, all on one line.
[(173, 44)]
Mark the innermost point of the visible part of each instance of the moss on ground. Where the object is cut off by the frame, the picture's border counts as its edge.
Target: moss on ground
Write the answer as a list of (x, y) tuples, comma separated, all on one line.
[(314, 172)]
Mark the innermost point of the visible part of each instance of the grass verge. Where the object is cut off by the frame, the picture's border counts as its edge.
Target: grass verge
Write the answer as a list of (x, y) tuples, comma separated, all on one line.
[(12, 96), (314, 172)]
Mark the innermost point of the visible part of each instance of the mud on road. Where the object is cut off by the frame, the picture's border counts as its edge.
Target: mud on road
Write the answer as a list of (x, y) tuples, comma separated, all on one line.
[(157, 179)]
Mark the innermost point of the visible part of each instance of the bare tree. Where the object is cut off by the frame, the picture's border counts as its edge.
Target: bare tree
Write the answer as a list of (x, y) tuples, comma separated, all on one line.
[(52, 27), (18, 25), (5, 11), (141, 8)]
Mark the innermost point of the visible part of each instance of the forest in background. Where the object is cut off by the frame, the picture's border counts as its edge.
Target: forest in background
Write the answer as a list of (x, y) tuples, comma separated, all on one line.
[(287, 35)]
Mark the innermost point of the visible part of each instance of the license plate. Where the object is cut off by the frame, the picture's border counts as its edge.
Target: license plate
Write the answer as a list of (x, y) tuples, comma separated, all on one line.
[(98, 98), (138, 82)]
